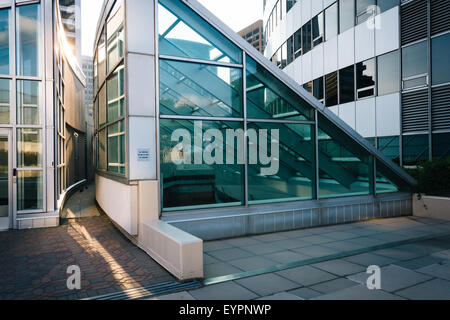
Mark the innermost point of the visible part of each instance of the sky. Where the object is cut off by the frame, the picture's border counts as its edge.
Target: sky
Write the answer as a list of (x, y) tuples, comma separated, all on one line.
[(237, 14)]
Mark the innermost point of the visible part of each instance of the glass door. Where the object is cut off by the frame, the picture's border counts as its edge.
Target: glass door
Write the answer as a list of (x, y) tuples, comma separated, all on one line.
[(5, 180)]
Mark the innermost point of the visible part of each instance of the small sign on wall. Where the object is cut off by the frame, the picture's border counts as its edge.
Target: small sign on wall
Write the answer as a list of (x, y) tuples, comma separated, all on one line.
[(143, 155)]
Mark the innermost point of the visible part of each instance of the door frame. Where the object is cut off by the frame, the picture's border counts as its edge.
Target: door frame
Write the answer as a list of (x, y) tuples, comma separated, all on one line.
[(8, 133)]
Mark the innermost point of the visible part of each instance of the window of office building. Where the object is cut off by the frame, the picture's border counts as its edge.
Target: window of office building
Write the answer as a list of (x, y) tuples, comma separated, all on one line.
[(441, 145), (308, 87), (365, 9), (385, 5), (440, 47), (29, 109), (331, 89), (365, 78), (298, 43), (28, 53), (115, 36), (290, 50), (390, 147), (5, 101), (5, 45), (290, 4), (317, 29), (347, 84), (415, 149), (415, 65), (306, 37), (388, 76), (346, 15), (331, 22), (318, 88), (284, 55)]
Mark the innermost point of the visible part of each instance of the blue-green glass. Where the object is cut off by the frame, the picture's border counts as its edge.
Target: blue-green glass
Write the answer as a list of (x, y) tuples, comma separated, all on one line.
[(440, 61), (183, 33), (281, 162), (345, 166), (28, 40), (390, 147), (415, 149), (388, 182), (29, 190), (201, 164), (269, 98), (193, 89), (441, 145), (116, 94), (116, 147), (5, 101), (4, 41)]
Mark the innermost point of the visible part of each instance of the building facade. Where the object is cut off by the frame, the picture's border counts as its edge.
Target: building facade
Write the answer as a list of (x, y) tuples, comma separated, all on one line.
[(41, 125), (254, 34), (71, 19), (381, 66), (200, 137)]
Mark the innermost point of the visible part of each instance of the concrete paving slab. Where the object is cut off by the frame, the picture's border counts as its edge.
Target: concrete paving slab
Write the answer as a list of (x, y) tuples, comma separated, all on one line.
[(437, 270), (252, 263), (223, 291), (317, 251), (306, 275), (370, 259), (346, 245), (215, 245), (284, 296), (341, 235), (270, 237), (285, 257), (267, 284), (334, 285), (305, 293), (207, 259), (318, 239), (393, 278), (175, 297), (359, 293), (340, 267), (398, 254), (229, 254), (436, 289), (219, 269), (442, 254), (292, 243), (261, 249), (242, 242), (418, 263)]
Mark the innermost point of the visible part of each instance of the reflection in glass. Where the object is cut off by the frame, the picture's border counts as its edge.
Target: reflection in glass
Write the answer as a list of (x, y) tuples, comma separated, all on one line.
[(101, 160), (29, 190), (4, 177), (116, 147), (29, 148), (345, 167), (298, 43), (415, 149), (5, 46), (201, 163), (440, 60), (286, 152), (318, 88), (390, 147), (388, 80), (317, 29), (306, 37), (5, 101), (115, 35), (387, 181), (346, 15), (365, 78), (116, 94), (365, 10), (268, 98), (28, 40), (101, 58), (182, 33), (415, 64), (347, 85), (331, 22), (331, 89), (102, 107), (194, 89), (28, 102)]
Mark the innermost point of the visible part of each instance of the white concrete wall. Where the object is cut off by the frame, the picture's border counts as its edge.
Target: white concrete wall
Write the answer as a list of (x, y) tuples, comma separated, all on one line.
[(431, 207)]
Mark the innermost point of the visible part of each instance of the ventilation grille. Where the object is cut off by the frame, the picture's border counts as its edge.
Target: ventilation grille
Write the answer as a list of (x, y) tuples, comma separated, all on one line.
[(414, 21), (440, 16), (441, 108), (415, 111)]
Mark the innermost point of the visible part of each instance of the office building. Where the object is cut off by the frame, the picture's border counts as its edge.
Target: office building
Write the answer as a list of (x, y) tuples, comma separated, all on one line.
[(253, 34)]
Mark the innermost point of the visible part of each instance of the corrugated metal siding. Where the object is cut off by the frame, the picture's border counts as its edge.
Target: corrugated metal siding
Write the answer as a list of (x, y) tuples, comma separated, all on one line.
[(415, 111), (441, 108), (414, 21), (440, 16)]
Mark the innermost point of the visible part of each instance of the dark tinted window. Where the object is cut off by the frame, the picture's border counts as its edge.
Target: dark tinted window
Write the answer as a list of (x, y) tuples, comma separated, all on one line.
[(415, 65), (385, 5), (308, 86), (290, 50), (306, 39), (388, 73), (284, 55), (331, 96), (317, 29), (440, 59), (298, 43), (365, 78), (331, 22), (318, 88), (390, 147), (347, 84), (346, 15), (415, 149), (441, 145)]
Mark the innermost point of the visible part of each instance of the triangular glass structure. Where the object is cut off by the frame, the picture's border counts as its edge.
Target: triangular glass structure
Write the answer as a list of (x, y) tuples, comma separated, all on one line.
[(235, 130)]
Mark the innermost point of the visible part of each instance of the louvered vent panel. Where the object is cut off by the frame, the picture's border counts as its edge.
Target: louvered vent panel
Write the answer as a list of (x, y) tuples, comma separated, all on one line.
[(441, 108), (415, 111), (414, 21), (440, 16)]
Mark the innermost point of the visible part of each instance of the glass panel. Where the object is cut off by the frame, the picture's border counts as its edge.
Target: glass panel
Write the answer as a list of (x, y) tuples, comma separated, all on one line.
[(317, 29), (268, 98), (346, 15), (194, 89), (415, 149), (281, 162), (388, 182), (201, 163), (390, 147), (365, 10), (306, 37), (5, 46), (29, 148), (5, 102), (372, 141), (347, 85), (290, 4), (331, 93), (183, 33), (345, 167), (331, 22), (441, 145), (415, 60), (318, 88), (116, 147), (385, 5), (102, 107), (116, 94), (284, 55), (115, 35), (388, 73), (28, 40), (28, 102), (290, 50), (4, 177), (298, 43), (29, 190), (101, 161), (365, 78), (440, 60), (308, 87), (101, 59)]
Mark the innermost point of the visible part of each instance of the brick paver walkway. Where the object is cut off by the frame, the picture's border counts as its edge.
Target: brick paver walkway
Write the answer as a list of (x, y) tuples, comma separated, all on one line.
[(33, 263)]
